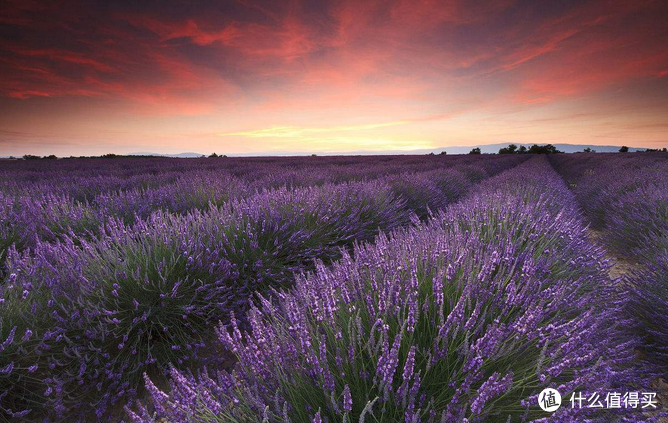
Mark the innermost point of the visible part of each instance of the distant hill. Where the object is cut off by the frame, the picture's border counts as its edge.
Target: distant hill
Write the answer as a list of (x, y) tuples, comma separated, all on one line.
[(179, 155), (484, 148), (566, 148)]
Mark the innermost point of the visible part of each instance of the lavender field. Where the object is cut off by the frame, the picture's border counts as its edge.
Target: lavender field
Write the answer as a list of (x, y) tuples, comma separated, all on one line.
[(332, 289)]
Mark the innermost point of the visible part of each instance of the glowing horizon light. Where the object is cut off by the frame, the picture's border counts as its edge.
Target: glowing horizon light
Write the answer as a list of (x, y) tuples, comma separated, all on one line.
[(296, 131)]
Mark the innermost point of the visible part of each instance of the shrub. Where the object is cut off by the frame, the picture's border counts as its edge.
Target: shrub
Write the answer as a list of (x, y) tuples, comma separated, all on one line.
[(24, 220), (141, 297), (29, 334), (106, 303), (20, 388), (196, 190), (648, 293), (461, 319), (419, 192), (637, 218)]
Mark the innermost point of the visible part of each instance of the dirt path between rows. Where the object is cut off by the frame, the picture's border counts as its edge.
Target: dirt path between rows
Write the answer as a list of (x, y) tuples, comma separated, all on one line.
[(620, 266)]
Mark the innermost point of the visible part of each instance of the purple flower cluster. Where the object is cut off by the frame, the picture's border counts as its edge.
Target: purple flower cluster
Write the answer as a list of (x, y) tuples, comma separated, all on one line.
[(124, 278), (624, 195), (648, 303), (627, 197), (465, 317), (80, 195), (430, 191)]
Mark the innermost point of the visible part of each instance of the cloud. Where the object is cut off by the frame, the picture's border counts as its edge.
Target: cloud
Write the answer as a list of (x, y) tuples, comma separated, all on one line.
[(311, 70)]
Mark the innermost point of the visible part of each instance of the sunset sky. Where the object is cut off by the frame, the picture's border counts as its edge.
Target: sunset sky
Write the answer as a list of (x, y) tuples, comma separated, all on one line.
[(277, 77)]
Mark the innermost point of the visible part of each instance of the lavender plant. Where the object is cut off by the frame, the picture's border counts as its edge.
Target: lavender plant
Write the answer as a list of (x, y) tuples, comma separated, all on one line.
[(430, 191), (28, 332), (45, 205), (119, 267), (18, 384), (25, 220), (464, 318), (648, 293), (638, 218), (142, 296), (631, 209)]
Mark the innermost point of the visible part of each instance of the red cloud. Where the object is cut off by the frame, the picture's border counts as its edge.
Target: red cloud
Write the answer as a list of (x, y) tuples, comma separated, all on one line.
[(57, 55), (27, 94), (417, 56)]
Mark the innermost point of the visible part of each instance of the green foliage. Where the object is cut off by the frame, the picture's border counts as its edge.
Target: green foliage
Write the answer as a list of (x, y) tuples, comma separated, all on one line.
[(534, 149)]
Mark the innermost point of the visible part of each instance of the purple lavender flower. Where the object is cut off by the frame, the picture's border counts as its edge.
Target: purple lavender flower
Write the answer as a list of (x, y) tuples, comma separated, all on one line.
[(523, 288)]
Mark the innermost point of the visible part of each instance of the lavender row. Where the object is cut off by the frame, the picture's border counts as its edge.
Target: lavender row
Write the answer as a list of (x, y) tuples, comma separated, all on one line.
[(624, 195), (139, 296), (627, 195), (466, 317), (48, 214), (83, 179)]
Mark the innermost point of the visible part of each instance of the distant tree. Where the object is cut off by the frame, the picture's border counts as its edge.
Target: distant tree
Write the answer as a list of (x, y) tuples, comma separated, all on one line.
[(511, 149), (475, 150), (30, 157), (430, 154), (51, 157), (588, 150), (109, 156), (443, 153), (624, 149), (552, 149), (213, 155), (543, 149), (314, 155), (534, 149), (664, 149)]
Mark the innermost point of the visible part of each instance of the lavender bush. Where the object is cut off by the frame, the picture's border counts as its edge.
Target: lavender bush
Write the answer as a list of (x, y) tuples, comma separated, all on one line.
[(648, 303), (638, 218), (18, 367), (600, 181), (140, 297), (77, 196), (116, 268), (431, 190), (464, 318), (630, 207), (25, 220), (195, 190)]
